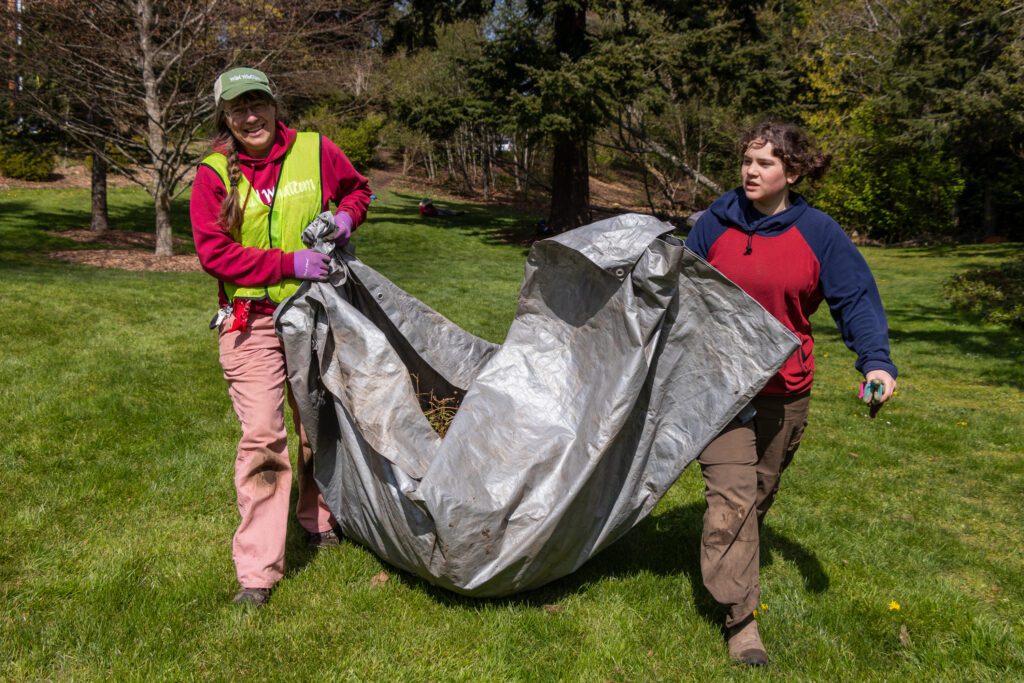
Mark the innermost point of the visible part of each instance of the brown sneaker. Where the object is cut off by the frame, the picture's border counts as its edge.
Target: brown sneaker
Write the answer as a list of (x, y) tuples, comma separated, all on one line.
[(745, 643), (257, 597)]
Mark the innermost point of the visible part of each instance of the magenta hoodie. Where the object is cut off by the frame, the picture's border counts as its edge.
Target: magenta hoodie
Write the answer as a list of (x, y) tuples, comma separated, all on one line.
[(227, 260)]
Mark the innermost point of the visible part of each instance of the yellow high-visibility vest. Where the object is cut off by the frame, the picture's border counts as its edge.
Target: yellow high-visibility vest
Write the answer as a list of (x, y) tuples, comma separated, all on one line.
[(296, 202)]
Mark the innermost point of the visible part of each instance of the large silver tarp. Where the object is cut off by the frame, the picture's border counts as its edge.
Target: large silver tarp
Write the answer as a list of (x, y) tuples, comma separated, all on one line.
[(627, 355)]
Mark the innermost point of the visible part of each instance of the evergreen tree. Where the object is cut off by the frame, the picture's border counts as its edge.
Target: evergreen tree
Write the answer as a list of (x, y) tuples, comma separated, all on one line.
[(922, 105), (707, 70)]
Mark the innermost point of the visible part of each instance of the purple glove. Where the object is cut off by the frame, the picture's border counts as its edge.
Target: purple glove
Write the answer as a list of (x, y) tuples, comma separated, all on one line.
[(344, 223), (311, 265)]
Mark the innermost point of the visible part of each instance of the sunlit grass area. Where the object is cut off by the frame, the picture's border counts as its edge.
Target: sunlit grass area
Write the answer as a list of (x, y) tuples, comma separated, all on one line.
[(893, 552)]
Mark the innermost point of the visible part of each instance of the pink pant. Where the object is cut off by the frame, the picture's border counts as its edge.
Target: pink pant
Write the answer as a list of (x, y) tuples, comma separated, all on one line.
[(254, 366)]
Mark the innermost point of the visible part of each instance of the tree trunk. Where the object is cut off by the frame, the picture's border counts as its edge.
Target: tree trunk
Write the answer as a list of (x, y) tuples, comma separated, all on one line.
[(472, 151), (989, 215), (161, 190), (570, 184), (526, 172), (164, 237), (517, 157), (100, 218), (570, 168), (485, 168), (647, 187), (491, 150)]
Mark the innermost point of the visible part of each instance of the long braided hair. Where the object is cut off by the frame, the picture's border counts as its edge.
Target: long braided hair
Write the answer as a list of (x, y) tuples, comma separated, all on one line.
[(231, 210)]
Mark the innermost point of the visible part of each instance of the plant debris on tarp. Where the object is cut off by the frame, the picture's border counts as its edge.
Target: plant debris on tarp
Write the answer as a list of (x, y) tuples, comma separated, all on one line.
[(439, 410), (627, 355)]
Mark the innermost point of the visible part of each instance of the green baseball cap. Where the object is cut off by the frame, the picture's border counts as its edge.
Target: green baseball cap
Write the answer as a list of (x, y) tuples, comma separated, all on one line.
[(234, 82)]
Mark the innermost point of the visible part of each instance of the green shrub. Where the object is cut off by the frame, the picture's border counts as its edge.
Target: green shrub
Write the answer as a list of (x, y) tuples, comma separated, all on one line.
[(411, 144), (604, 162), (994, 294), (25, 160), (359, 142), (887, 187)]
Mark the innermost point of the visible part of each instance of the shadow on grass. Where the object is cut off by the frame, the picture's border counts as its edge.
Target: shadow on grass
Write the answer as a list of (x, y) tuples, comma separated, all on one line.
[(1003, 250), (813, 574), (667, 544), (954, 336), (297, 554), (495, 224), (28, 227), (1000, 344)]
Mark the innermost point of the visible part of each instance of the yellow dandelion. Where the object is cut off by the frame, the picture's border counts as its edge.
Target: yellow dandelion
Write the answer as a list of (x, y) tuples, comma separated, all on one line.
[(961, 423), (755, 614), (894, 606), (764, 607)]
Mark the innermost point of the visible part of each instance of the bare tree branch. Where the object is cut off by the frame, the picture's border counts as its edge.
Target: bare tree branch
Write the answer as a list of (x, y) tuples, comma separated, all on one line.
[(132, 80)]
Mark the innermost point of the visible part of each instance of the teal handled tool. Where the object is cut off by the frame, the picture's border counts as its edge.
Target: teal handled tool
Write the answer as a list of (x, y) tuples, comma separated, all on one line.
[(871, 393)]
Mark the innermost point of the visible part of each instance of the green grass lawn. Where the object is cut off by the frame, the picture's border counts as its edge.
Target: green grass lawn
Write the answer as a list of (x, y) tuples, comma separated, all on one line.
[(116, 456)]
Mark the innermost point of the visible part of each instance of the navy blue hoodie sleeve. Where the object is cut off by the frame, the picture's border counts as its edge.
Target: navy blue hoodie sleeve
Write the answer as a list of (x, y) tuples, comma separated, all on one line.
[(703, 235), (852, 296)]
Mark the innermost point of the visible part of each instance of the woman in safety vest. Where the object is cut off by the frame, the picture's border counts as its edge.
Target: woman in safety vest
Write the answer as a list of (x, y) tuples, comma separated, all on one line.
[(251, 199), (789, 257)]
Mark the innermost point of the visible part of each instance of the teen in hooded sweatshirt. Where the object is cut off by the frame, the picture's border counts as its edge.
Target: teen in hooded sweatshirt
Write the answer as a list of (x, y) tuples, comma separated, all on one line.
[(252, 197), (789, 257)]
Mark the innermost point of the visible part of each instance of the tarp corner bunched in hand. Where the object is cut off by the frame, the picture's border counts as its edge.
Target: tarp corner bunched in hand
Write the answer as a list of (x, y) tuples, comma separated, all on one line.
[(627, 355)]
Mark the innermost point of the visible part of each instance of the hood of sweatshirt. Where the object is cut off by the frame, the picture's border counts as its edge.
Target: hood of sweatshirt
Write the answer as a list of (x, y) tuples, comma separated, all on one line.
[(734, 210)]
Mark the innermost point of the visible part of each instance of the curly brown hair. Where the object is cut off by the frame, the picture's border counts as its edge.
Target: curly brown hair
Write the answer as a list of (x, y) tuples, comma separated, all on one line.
[(790, 144)]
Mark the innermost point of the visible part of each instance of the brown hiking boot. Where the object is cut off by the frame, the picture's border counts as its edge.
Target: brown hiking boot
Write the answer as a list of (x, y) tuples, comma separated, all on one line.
[(745, 643), (323, 539), (257, 597)]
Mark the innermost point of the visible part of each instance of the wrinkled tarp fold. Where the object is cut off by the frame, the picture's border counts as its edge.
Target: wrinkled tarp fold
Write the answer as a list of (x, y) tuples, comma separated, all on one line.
[(627, 355)]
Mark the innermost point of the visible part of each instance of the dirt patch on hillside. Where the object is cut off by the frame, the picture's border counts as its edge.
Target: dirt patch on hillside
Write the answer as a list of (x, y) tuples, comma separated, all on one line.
[(607, 197), (616, 197)]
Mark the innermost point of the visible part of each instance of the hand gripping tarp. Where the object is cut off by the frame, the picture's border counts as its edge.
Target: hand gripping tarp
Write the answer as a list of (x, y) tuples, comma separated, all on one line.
[(627, 355)]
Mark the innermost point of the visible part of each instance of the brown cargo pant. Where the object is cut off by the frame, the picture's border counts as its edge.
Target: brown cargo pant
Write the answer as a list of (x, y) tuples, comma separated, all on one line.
[(741, 469)]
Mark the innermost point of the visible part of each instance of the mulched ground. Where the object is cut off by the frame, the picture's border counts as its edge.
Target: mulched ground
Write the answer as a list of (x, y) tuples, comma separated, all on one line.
[(124, 250), (121, 249)]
